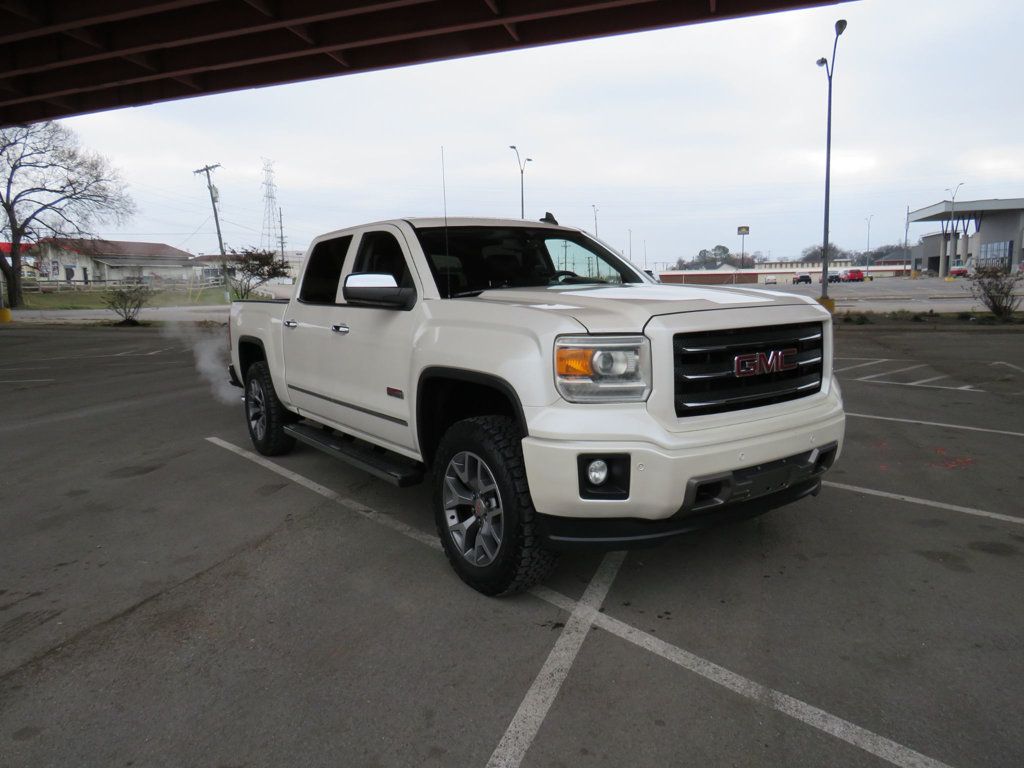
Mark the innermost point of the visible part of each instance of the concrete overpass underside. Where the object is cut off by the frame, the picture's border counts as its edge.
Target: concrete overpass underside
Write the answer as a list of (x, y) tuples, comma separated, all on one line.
[(67, 57)]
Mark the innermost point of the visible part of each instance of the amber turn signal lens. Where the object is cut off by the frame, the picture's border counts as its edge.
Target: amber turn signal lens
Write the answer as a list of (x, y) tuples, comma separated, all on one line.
[(575, 362)]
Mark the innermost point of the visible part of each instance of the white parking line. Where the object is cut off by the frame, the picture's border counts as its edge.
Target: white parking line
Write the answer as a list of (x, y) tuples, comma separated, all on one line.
[(888, 373), (531, 713), (936, 424), (926, 502), (860, 365), (385, 520), (965, 388), (926, 381), (844, 730), (1008, 365), (853, 734)]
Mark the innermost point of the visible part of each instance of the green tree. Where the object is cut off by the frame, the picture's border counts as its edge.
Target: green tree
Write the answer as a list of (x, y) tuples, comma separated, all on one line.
[(253, 268)]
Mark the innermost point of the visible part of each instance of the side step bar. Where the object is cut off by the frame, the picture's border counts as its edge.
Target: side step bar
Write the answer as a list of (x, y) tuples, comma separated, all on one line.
[(388, 466)]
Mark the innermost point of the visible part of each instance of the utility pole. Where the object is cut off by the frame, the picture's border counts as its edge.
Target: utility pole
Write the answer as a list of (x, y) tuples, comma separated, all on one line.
[(280, 227), (595, 219), (216, 220)]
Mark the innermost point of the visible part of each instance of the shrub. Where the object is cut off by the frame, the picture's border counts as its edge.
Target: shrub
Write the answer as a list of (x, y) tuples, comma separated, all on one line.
[(127, 301), (994, 287)]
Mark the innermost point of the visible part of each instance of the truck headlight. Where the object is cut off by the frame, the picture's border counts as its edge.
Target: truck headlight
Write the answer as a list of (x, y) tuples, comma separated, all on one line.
[(603, 369)]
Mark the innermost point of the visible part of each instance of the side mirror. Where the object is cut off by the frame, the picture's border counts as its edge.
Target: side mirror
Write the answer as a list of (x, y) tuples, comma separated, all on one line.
[(377, 290)]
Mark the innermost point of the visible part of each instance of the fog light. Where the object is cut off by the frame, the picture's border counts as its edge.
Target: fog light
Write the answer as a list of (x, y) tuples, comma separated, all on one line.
[(597, 472)]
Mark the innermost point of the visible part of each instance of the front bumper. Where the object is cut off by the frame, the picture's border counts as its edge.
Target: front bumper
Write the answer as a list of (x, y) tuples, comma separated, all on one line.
[(662, 469), (570, 533)]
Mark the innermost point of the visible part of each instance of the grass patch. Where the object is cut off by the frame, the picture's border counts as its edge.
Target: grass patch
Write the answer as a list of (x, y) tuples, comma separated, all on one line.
[(94, 299)]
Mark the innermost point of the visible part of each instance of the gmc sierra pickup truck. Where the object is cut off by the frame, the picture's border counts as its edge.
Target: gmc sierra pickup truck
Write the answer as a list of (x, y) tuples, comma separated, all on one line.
[(555, 395)]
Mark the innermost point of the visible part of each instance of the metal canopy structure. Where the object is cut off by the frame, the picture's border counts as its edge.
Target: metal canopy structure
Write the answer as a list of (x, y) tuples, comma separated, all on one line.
[(67, 57), (965, 209)]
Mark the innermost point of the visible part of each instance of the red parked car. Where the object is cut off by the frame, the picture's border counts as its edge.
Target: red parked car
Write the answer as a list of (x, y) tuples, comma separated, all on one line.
[(853, 276)]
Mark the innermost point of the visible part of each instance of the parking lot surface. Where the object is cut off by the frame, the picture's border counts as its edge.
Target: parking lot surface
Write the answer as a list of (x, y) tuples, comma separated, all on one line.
[(169, 598)]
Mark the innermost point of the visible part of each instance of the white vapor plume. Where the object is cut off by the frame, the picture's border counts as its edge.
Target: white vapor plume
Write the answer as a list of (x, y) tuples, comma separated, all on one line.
[(210, 348)]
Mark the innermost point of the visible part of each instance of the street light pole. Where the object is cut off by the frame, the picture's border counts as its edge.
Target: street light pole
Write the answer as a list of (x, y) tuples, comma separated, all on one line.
[(952, 229), (867, 253), (595, 219), (522, 172), (830, 69)]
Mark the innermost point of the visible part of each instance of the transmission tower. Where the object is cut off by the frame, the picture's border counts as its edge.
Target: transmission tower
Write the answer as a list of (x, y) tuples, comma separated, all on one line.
[(271, 236)]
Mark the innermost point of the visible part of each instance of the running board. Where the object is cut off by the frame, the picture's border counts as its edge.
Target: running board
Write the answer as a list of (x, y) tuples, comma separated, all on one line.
[(386, 465)]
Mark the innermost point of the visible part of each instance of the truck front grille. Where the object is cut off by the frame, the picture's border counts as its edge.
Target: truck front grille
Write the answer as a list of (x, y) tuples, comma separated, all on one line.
[(775, 364)]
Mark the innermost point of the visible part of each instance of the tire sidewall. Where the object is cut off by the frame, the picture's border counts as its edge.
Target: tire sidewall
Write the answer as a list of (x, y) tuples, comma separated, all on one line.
[(274, 440), (494, 577)]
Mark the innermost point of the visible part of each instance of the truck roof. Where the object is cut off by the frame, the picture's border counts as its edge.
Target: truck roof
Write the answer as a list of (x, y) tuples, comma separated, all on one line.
[(467, 221)]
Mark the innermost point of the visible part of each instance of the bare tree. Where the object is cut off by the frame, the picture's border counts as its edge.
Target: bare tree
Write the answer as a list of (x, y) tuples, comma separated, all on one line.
[(253, 268), (51, 187)]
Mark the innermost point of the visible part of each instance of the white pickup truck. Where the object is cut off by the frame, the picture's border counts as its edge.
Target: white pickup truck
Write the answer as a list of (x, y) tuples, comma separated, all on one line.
[(557, 396)]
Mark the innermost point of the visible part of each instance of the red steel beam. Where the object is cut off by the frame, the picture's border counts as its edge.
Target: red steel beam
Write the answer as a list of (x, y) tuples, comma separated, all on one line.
[(25, 19), (342, 36), (220, 20)]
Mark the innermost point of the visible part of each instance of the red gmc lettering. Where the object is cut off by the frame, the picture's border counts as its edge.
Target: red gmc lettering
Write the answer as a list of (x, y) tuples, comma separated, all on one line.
[(757, 363)]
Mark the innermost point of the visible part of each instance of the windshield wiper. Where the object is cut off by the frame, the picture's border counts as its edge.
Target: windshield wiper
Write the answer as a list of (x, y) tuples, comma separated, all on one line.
[(464, 294)]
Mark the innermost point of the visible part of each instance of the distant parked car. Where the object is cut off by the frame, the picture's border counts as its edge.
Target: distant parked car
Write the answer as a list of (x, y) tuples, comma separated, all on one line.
[(801, 277), (771, 280), (833, 277), (958, 272), (852, 276)]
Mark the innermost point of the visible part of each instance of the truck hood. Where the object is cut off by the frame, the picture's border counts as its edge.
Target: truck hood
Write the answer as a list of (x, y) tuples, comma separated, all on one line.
[(627, 308)]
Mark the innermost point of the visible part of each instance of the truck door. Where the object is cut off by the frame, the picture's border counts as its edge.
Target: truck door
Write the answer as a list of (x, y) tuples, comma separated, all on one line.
[(376, 346), (307, 338)]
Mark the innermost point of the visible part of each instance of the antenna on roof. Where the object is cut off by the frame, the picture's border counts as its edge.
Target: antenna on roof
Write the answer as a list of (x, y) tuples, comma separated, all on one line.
[(444, 202), (548, 218)]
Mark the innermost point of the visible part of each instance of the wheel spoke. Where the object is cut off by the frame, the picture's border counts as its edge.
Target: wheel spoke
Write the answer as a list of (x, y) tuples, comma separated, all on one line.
[(482, 537), (473, 508), (456, 494)]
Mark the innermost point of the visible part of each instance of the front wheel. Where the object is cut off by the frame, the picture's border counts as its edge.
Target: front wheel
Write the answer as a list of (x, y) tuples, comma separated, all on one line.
[(483, 510), (264, 413)]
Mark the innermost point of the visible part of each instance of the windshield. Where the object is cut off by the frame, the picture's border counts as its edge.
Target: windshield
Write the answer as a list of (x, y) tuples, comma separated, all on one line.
[(468, 260)]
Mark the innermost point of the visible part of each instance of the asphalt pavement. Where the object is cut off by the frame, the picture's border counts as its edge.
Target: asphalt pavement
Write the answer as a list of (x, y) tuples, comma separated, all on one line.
[(167, 598)]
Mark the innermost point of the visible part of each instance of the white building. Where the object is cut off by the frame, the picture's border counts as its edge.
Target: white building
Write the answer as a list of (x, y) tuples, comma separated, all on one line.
[(96, 261)]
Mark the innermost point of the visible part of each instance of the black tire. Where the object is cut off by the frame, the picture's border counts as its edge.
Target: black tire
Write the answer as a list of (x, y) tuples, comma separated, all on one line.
[(265, 416), (519, 561)]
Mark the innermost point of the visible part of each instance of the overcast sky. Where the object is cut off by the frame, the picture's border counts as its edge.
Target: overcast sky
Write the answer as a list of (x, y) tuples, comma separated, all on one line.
[(679, 135)]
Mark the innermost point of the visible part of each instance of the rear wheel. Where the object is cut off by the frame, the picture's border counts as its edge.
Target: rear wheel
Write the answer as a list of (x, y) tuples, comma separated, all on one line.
[(265, 416), (482, 507)]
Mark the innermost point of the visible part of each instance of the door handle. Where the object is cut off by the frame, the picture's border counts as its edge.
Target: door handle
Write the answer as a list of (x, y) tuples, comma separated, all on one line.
[(290, 324), (340, 328)]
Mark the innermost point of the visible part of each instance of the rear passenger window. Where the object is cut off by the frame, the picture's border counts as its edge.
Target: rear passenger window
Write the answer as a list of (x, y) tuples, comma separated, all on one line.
[(380, 254), (323, 271)]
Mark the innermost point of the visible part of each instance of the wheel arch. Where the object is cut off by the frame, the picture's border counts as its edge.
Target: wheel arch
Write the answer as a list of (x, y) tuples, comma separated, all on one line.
[(446, 395), (250, 350)]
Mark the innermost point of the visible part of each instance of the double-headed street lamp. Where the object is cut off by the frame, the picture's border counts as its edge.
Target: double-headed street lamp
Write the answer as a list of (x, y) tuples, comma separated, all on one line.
[(522, 172), (830, 68)]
